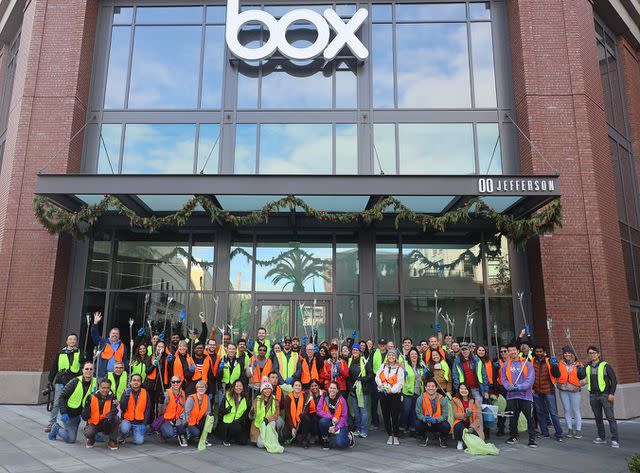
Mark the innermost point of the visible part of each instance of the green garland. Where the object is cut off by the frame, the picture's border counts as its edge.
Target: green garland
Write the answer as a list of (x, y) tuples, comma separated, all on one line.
[(519, 230)]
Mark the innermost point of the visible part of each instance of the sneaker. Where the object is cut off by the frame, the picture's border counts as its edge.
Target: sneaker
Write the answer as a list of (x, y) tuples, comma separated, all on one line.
[(599, 441), (112, 445), (325, 444), (352, 440), (363, 435), (396, 441), (443, 442), (532, 444), (54, 431), (90, 443), (460, 446), (546, 436), (577, 434), (226, 444), (390, 441), (615, 444), (121, 440), (569, 434), (424, 442), (182, 440), (47, 429), (559, 439), (512, 441), (355, 433), (207, 443)]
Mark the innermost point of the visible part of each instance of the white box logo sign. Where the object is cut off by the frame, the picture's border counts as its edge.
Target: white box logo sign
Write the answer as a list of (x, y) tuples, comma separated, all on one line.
[(345, 33)]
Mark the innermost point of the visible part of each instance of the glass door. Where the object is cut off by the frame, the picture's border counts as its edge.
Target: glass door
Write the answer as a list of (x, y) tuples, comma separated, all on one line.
[(312, 317), (294, 318), (275, 317)]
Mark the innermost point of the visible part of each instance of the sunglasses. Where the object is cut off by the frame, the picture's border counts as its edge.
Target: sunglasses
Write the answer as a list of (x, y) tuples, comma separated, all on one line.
[(503, 351), (176, 382), (88, 369)]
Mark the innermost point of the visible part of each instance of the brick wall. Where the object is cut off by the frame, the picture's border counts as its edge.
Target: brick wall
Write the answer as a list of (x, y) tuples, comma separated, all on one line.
[(577, 273), (51, 88)]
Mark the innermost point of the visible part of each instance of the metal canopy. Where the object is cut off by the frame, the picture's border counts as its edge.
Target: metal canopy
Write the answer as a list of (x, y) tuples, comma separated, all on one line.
[(435, 194)]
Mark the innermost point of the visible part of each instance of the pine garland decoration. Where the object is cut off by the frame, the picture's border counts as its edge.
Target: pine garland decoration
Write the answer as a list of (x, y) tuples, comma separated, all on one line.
[(79, 224)]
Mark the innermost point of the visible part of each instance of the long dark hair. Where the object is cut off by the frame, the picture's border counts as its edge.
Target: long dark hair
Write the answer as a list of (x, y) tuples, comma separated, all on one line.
[(413, 349), (486, 356)]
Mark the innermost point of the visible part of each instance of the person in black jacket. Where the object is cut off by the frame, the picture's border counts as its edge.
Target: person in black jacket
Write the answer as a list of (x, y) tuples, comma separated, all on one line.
[(101, 414), (73, 398), (65, 366), (233, 422), (602, 384), (358, 387)]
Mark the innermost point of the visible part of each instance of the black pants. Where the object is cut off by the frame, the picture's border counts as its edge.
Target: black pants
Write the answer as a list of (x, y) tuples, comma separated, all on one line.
[(236, 431), (303, 431), (443, 428), (105, 426), (391, 405), (526, 407), (501, 419), (375, 398), (600, 402), (458, 430)]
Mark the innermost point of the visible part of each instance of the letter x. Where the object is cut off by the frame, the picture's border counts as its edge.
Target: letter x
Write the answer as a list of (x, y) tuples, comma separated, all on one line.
[(345, 34)]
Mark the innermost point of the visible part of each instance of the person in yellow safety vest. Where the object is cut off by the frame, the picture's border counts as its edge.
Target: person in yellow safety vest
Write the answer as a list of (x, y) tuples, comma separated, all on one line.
[(359, 385), (139, 361), (411, 389), (438, 369), (602, 384), (192, 335), (66, 366), (234, 413), (231, 368), (378, 356), (265, 409), (467, 368), (286, 364), (119, 380), (242, 351), (73, 397), (261, 339)]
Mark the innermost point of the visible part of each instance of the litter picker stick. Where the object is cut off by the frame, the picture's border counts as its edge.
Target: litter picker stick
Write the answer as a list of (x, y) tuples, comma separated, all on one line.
[(495, 332), (393, 328), (130, 345), (86, 335), (524, 317), (435, 296), (370, 327), (342, 327), (166, 314), (549, 325), (215, 313), (147, 297), (567, 334)]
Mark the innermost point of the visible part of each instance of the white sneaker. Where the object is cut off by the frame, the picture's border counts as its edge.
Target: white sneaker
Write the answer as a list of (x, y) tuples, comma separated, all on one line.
[(615, 444), (390, 441), (397, 442), (599, 441), (460, 446)]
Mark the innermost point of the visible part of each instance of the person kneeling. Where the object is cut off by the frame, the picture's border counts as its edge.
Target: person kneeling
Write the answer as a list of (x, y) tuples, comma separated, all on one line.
[(266, 419), (195, 411), (332, 410), (297, 423), (467, 413), (101, 414), (173, 423), (432, 411), (135, 406), (234, 414)]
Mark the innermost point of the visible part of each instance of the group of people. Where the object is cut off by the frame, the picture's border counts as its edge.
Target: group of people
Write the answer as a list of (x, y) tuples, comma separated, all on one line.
[(299, 391)]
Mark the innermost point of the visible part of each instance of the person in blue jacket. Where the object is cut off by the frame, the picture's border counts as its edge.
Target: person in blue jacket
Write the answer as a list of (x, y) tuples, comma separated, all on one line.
[(111, 349), (468, 369)]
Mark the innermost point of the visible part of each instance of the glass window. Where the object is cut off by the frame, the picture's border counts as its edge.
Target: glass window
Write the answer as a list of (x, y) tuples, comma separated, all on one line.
[(216, 15), (109, 148), (382, 65), (629, 270), (346, 148), (349, 307), (501, 309), (419, 317), (347, 267), (151, 265), (294, 267), (620, 200), (381, 12), (431, 12), (158, 149), (453, 269), (480, 11), (202, 266), (169, 15), (489, 154), (434, 72), (165, 67), (384, 139), (93, 301), (117, 69), (245, 153), (296, 149), (249, 72), (288, 86), (629, 189), (240, 315), (436, 148), (484, 81), (389, 318), (213, 67), (498, 271), (98, 262), (616, 92), (200, 302), (606, 87), (122, 15), (636, 266), (241, 267), (208, 148), (346, 84), (387, 267)]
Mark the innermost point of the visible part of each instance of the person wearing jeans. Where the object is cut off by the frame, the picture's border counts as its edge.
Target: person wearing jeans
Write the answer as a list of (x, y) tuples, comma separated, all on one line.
[(602, 383), (544, 394), (360, 376), (572, 378), (411, 389), (333, 425), (135, 405)]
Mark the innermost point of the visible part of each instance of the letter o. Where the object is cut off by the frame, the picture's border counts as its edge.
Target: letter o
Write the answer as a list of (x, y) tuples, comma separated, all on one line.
[(482, 186), (252, 16), (308, 52)]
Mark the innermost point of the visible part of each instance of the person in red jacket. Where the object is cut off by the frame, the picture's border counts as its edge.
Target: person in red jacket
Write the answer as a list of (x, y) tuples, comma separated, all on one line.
[(335, 369)]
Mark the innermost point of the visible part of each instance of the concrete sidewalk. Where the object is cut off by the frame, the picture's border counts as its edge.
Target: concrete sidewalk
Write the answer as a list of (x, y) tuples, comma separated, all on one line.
[(24, 447)]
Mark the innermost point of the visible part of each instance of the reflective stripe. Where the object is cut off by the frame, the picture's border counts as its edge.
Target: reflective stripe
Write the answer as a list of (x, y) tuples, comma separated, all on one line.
[(236, 411)]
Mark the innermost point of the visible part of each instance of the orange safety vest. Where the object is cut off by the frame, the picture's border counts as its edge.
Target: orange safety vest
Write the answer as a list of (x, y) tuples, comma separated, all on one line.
[(553, 380), (278, 394), (566, 377), (135, 409), (426, 406), (108, 353), (258, 373), (308, 374), (460, 410), (96, 415), (199, 409), (154, 372), (338, 411), (427, 355), (488, 365), (178, 369), (391, 380), (523, 365), (295, 408), (500, 372), (202, 373), (175, 406)]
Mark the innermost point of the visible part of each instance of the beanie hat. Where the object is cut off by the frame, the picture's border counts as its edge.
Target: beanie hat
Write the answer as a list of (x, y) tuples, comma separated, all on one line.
[(568, 349), (356, 346), (265, 384)]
